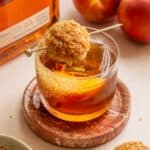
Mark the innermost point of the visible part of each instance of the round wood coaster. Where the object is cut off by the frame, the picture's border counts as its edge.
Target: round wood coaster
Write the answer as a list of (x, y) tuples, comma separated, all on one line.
[(76, 135)]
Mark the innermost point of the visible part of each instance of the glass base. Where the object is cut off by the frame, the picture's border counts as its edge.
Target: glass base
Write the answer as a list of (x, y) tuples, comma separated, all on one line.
[(71, 117)]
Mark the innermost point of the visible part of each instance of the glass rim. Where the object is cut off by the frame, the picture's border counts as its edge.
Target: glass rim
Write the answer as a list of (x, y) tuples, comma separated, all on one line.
[(116, 50), (98, 74)]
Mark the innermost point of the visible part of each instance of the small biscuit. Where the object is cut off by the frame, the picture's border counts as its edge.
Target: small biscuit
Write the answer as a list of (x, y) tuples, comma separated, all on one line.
[(68, 41), (132, 146)]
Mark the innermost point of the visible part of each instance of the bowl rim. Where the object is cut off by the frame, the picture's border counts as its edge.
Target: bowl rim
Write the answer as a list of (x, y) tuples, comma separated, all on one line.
[(16, 140)]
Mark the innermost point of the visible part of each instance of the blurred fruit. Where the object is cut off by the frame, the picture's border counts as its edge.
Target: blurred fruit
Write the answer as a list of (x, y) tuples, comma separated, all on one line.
[(135, 17), (97, 10)]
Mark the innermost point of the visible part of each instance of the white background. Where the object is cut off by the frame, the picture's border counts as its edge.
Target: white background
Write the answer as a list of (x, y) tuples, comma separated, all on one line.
[(134, 70)]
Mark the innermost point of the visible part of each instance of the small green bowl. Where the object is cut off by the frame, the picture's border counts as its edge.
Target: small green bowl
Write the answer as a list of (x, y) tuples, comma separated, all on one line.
[(12, 143)]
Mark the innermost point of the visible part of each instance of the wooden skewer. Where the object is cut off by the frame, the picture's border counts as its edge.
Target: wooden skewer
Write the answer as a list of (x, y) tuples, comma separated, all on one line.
[(105, 29), (29, 51)]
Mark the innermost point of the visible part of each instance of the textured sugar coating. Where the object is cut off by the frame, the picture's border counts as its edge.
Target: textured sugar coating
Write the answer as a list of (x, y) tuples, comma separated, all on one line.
[(132, 146), (68, 41)]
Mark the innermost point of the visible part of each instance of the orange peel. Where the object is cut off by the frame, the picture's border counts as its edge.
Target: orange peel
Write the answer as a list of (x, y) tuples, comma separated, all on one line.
[(58, 82)]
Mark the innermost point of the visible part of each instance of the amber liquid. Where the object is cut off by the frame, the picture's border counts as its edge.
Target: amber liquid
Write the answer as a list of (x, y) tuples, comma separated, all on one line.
[(15, 11), (95, 100)]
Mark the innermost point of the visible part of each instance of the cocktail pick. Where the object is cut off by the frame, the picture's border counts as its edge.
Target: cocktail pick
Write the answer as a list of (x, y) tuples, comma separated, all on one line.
[(29, 51), (104, 29)]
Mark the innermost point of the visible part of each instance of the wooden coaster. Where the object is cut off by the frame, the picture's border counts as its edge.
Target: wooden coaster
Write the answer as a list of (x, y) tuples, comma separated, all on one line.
[(76, 135)]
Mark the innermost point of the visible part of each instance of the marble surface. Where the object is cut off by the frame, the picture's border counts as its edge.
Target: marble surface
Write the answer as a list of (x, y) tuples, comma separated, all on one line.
[(134, 70)]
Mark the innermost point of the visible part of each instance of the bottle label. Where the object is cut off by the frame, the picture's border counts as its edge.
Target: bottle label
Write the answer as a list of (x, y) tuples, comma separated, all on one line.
[(24, 27)]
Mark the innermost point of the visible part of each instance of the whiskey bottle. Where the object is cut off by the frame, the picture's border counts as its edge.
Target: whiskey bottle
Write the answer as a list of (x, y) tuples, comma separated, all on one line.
[(22, 23)]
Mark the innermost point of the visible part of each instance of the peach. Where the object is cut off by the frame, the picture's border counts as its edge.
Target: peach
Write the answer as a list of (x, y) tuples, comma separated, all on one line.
[(97, 10), (64, 84), (135, 17)]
